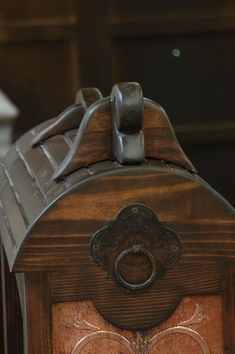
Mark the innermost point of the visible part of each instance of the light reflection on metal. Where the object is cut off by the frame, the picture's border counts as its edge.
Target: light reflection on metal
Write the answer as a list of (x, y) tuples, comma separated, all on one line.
[(142, 344)]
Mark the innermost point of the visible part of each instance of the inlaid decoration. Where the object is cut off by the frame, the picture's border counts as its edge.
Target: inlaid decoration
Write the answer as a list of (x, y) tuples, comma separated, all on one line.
[(196, 327)]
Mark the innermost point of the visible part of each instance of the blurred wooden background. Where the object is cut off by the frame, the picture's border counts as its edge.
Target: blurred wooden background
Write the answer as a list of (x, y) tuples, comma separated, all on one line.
[(182, 52)]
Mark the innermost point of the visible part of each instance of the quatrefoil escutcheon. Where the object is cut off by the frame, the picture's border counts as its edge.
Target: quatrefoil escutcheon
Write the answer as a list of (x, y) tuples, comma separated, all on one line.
[(136, 248)]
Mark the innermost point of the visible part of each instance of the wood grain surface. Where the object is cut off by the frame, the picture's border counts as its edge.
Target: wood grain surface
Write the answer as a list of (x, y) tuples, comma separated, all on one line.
[(59, 242), (196, 327), (12, 316), (197, 213)]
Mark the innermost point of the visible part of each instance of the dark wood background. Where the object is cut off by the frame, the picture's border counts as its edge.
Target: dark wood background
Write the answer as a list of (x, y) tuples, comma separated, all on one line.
[(181, 52)]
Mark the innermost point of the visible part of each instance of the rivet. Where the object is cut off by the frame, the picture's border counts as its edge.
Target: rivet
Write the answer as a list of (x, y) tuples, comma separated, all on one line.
[(135, 210)]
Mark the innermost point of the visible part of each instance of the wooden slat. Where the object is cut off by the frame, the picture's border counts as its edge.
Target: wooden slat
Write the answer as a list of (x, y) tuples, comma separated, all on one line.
[(12, 324), (37, 314), (29, 199), (40, 169), (18, 32), (56, 148), (13, 213), (155, 25)]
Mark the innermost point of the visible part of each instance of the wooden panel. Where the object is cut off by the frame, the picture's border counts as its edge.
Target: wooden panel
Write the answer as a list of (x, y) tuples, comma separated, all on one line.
[(36, 313), (132, 18), (181, 73), (12, 317), (39, 57), (42, 83), (27, 9), (135, 7), (163, 188), (196, 327)]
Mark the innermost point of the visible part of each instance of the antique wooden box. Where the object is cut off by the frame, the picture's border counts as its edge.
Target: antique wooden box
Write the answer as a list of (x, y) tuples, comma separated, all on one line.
[(116, 243)]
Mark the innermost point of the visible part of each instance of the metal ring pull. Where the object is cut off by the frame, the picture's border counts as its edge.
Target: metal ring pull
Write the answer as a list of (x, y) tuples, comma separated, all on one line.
[(148, 279)]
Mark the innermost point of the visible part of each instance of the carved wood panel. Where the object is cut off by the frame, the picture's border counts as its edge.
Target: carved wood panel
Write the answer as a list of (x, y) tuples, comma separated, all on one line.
[(196, 327)]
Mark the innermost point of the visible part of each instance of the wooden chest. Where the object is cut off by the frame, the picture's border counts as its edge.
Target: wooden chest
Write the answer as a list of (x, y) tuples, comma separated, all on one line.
[(116, 243)]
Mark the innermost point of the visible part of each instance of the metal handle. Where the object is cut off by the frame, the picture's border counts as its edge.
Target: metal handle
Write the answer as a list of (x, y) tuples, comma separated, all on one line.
[(71, 117), (127, 114)]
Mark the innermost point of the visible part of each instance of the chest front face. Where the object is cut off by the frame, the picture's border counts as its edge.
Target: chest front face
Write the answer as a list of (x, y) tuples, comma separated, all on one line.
[(117, 245), (137, 266)]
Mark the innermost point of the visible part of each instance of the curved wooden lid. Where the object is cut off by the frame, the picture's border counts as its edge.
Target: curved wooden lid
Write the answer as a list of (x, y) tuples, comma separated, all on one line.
[(27, 173)]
